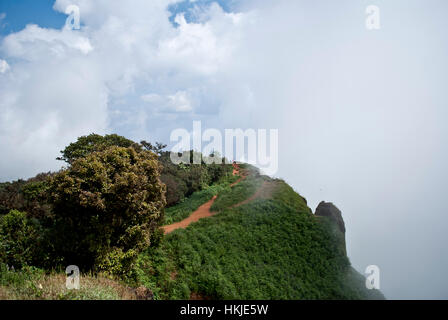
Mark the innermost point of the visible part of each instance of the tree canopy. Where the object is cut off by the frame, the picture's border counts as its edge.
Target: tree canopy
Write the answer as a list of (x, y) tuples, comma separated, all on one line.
[(94, 142), (106, 205)]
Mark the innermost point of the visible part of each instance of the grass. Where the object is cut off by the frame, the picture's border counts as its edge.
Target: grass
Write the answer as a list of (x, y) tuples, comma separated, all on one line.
[(183, 209), (267, 249), (270, 248), (238, 193), (31, 283)]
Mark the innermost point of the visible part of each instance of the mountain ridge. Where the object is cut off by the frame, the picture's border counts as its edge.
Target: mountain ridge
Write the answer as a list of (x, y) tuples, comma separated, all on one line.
[(156, 230)]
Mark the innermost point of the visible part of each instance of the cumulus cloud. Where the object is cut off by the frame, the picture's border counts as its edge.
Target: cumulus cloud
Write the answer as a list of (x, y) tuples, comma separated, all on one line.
[(178, 102), (360, 113), (51, 94), (65, 83), (4, 66)]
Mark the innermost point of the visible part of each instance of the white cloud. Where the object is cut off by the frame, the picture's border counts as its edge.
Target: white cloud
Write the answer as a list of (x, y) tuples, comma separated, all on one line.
[(152, 98), (4, 66), (178, 102), (360, 115), (66, 83), (35, 43)]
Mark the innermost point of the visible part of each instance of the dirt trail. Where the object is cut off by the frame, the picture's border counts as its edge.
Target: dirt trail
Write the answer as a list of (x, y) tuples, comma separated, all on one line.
[(264, 191), (201, 212), (204, 210), (242, 177)]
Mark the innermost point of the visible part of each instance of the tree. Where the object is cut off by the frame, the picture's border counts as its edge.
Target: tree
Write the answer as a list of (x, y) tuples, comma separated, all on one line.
[(27, 196), (175, 188), (157, 148), (94, 142), (107, 205), (20, 240)]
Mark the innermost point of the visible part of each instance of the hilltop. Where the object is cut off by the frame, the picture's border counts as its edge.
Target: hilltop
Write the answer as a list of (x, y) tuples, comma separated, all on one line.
[(261, 242), (223, 232)]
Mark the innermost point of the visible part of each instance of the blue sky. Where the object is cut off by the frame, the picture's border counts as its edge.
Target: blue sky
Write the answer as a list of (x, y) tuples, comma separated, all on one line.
[(19, 13), (184, 6)]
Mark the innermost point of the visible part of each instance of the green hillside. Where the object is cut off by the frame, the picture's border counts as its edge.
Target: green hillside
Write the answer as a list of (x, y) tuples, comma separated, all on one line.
[(270, 248), (261, 240)]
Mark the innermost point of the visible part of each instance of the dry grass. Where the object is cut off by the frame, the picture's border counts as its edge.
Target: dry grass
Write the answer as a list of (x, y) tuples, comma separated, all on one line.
[(52, 287), (6, 294), (98, 288)]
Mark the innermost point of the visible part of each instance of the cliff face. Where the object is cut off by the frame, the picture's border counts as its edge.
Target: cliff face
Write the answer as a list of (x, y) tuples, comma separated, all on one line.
[(330, 216), (334, 216), (328, 209)]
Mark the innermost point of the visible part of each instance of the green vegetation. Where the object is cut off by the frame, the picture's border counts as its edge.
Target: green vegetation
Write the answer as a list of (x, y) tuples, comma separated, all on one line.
[(182, 210), (27, 196), (86, 145), (103, 213), (107, 205), (31, 283), (185, 179), (20, 239), (267, 249), (237, 193)]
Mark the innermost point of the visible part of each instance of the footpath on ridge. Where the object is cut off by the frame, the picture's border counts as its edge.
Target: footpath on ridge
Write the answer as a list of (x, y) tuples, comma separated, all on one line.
[(204, 210)]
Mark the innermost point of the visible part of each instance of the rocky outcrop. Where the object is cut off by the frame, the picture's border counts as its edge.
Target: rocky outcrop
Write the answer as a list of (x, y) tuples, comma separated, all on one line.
[(328, 209)]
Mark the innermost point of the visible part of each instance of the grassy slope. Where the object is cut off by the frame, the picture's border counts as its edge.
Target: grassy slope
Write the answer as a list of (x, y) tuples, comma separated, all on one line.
[(267, 249), (236, 194), (31, 283), (182, 210), (270, 248)]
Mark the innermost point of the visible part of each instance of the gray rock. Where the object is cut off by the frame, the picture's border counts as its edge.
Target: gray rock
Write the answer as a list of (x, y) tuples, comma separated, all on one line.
[(328, 209)]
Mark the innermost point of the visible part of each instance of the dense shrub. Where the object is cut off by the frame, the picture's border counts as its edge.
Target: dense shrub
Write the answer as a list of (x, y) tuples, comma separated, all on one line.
[(183, 209), (175, 188), (180, 180), (185, 179), (106, 205), (26, 195), (20, 240), (97, 213)]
